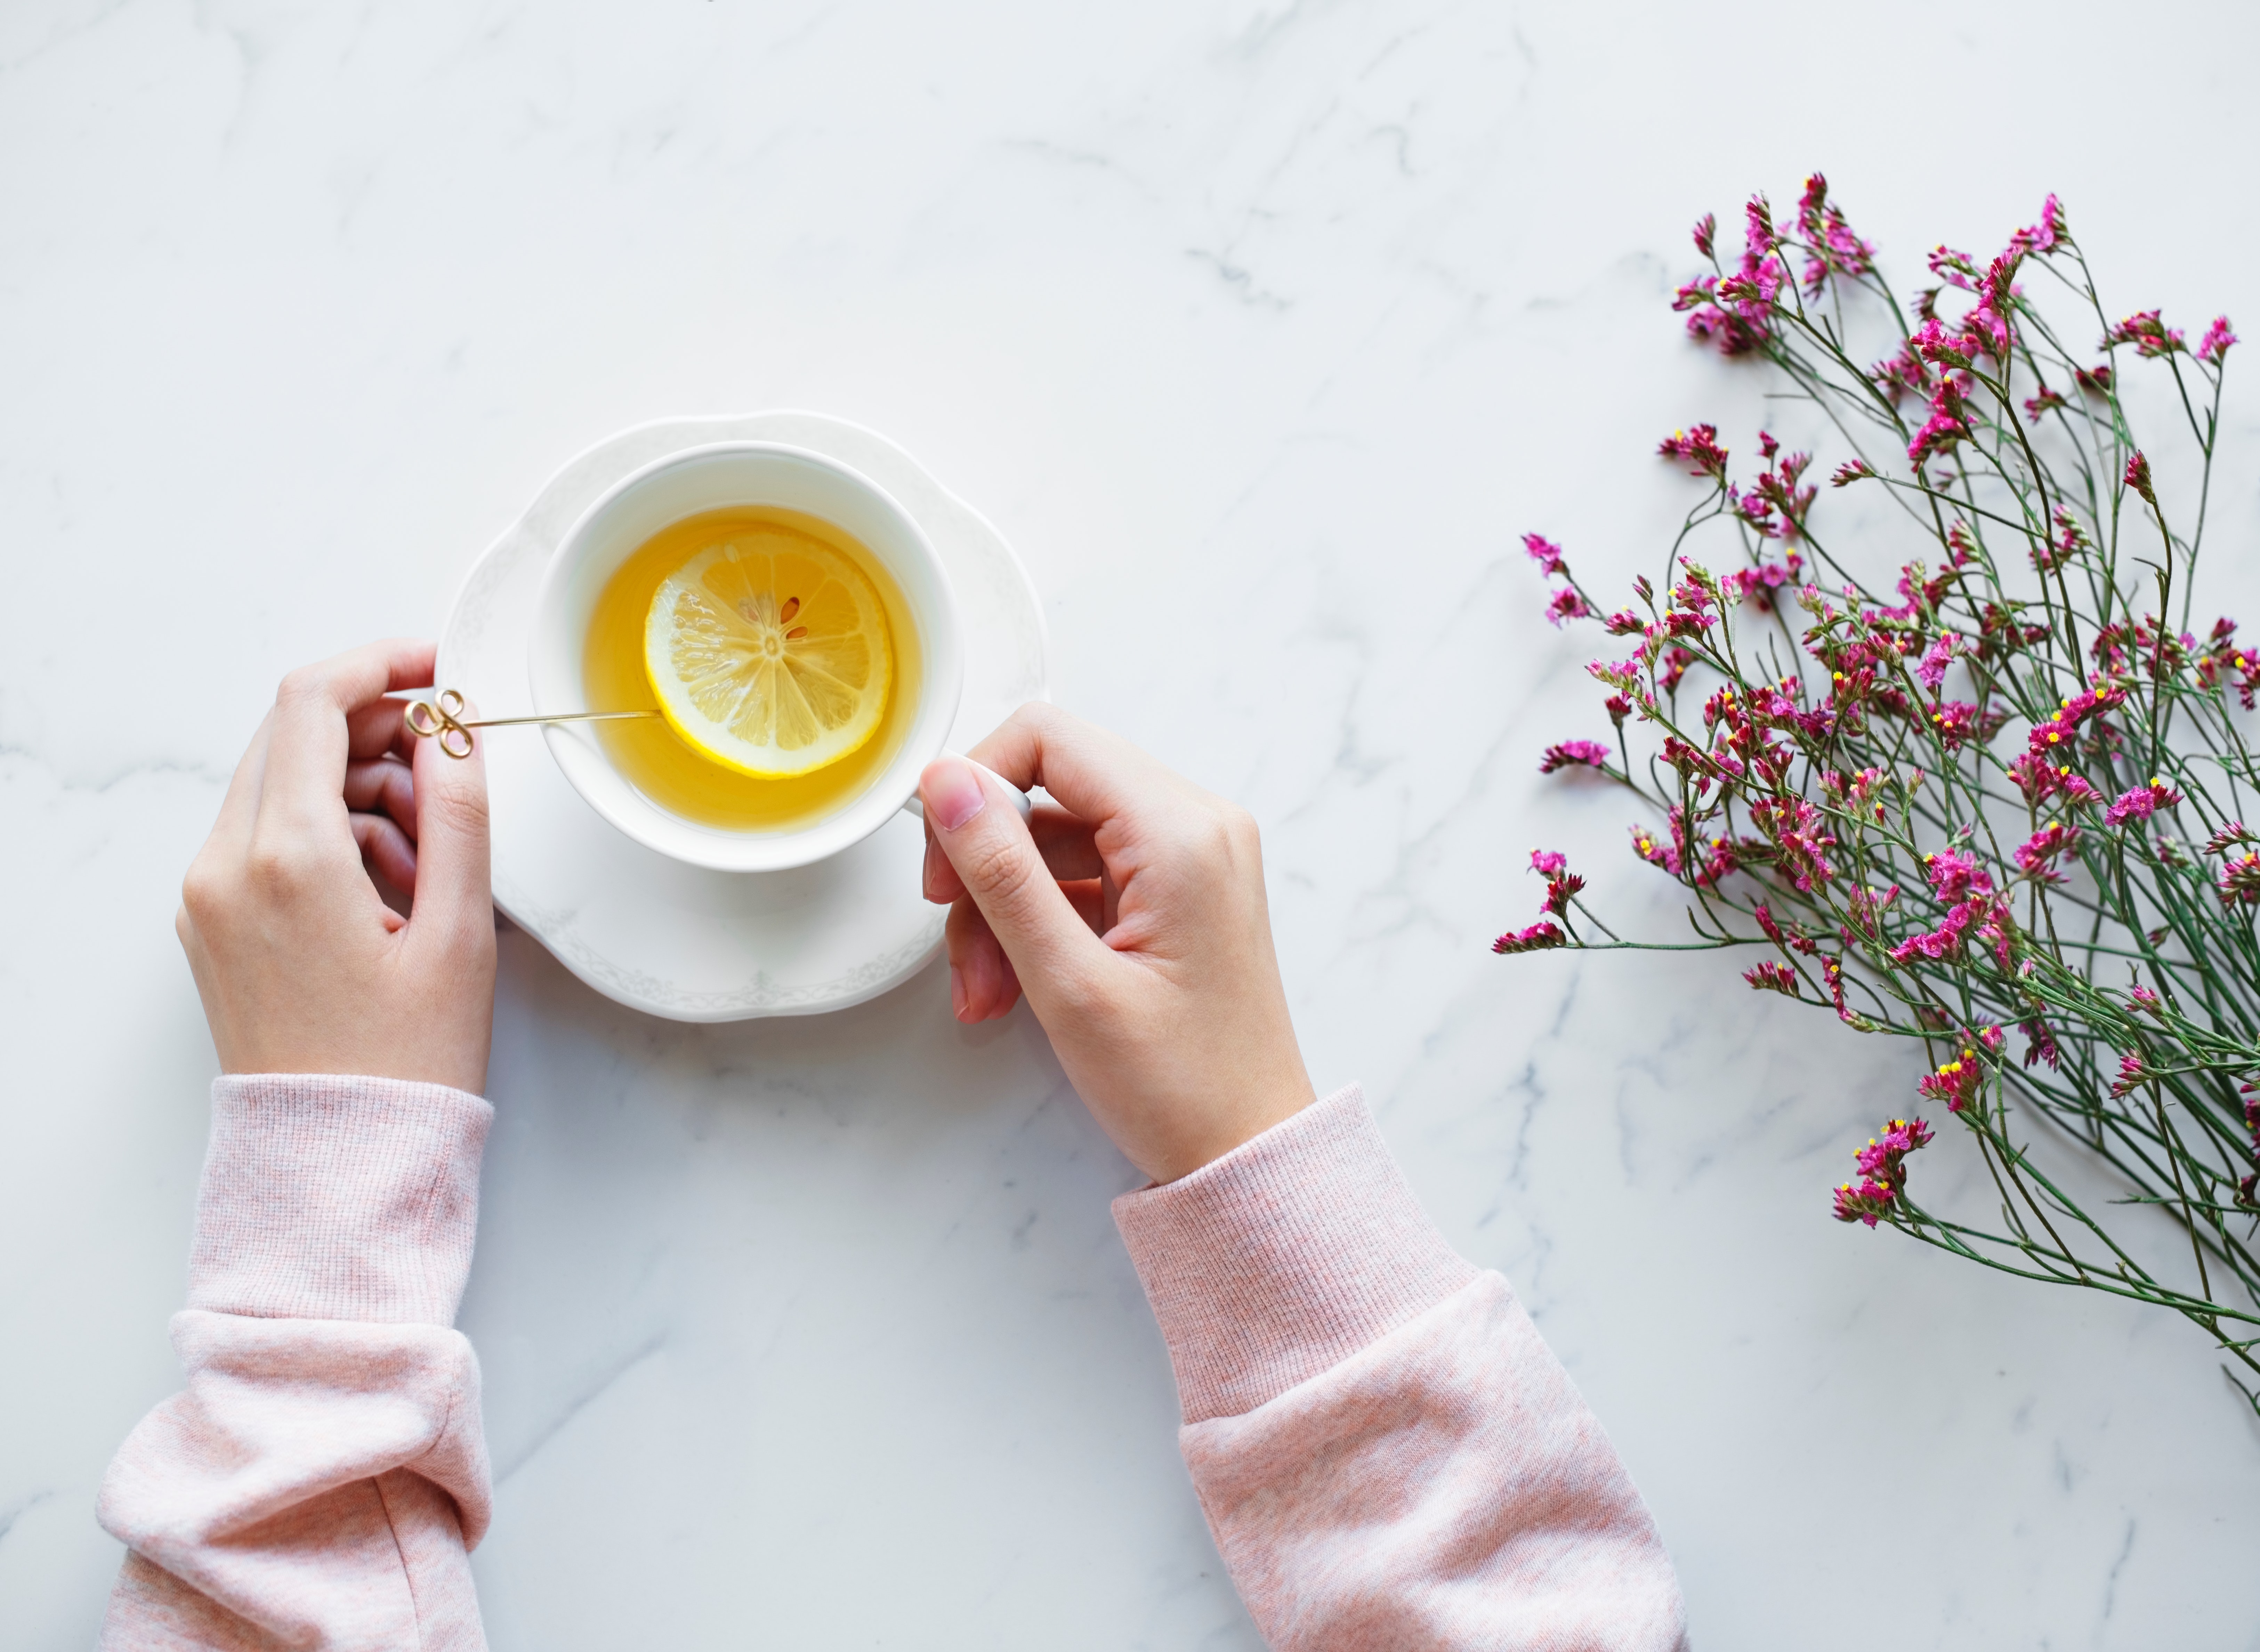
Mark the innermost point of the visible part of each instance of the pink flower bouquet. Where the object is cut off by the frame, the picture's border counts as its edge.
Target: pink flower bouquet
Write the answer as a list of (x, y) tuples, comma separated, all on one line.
[(1997, 805)]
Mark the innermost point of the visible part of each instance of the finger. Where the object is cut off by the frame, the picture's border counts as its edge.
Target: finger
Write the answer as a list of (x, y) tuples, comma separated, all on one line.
[(386, 849), (376, 728), (385, 785), (982, 983), (1063, 839), (307, 753), (1096, 775), (453, 889), (1088, 899), (232, 831), (988, 844)]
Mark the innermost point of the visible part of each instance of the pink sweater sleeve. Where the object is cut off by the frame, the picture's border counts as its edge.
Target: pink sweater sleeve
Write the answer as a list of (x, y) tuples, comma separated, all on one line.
[(1388, 1454), (319, 1482)]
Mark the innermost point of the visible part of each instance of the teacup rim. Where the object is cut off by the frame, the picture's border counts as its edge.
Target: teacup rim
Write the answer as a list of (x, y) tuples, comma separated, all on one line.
[(592, 775)]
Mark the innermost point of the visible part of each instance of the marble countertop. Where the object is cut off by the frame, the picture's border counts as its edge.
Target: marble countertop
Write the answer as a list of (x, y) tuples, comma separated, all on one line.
[(1260, 331)]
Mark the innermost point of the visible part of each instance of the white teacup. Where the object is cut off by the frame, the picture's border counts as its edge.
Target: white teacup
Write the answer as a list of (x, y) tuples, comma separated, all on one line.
[(711, 478)]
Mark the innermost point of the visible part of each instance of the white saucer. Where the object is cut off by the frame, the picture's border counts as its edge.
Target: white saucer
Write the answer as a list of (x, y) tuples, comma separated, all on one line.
[(678, 941)]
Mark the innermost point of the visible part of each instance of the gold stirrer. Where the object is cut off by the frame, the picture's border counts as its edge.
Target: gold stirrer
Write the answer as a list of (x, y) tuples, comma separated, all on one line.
[(442, 719)]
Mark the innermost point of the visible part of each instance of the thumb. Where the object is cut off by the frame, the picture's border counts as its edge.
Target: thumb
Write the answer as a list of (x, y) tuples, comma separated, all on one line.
[(453, 889), (988, 843)]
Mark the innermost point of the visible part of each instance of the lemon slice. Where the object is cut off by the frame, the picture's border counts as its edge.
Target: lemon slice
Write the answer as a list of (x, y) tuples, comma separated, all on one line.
[(770, 653)]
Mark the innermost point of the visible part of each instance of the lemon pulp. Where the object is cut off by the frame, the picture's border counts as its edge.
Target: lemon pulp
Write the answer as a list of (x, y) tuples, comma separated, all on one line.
[(770, 653)]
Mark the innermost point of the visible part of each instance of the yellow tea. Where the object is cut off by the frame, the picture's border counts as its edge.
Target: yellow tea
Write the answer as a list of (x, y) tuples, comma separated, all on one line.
[(670, 771)]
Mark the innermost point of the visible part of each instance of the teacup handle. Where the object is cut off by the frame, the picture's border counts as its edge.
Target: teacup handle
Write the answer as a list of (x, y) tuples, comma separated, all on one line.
[(1021, 801)]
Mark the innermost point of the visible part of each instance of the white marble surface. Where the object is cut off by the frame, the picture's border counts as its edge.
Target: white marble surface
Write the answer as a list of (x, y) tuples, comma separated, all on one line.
[(1259, 329)]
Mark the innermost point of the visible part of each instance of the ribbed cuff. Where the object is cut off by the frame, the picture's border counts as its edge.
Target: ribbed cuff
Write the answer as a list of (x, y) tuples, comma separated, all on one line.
[(1283, 1257), (330, 1198)]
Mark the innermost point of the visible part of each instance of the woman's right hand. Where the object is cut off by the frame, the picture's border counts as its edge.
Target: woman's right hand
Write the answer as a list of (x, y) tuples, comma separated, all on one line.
[(1134, 917), (301, 965)]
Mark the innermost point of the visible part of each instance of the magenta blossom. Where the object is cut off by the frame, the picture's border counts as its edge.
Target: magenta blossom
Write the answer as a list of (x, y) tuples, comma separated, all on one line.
[(2045, 236), (1939, 433), (2060, 728), (2216, 341), (1956, 873), (1885, 1157), (1700, 446), (1537, 938), (1566, 605), (1571, 754), (1545, 552), (1870, 1202), (1548, 862), (2037, 855), (2141, 802), (1945, 941), (1772, 977), (2150, 335), (2239, 882), (1930, 671), (1956, 1082)]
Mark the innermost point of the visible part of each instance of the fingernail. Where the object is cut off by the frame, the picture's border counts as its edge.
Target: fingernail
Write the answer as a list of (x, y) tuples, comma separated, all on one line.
[(956, 993), (953, 792)]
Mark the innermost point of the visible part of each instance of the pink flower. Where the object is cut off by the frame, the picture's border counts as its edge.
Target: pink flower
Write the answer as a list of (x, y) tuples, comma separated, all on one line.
[(1955, 269), (1567, 604), (1656, 852), (2077, 710), (1941, 943), (2141, 802), (2037, 855), (1830, 244), (1801, 832), (1757, 229), (1559, 891), (1931, 670), (1707, 228), (2150, 336), (1885, 1157), (1537, 938), (2040, 1042), (2037, 407), (2216, 341), (2233, 832), (1956, 875), (1956, 722), (2146, 1001), (1883, 1172), (1548, 862), (1545, 552), (1572, 753), (1870, 1202), (1772, 977), (2132, 1075), (1851, 471), (2138, 476), (1700, 446), (1939, 433), (1956, 1082), (2045, 236), (2239, 882)]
